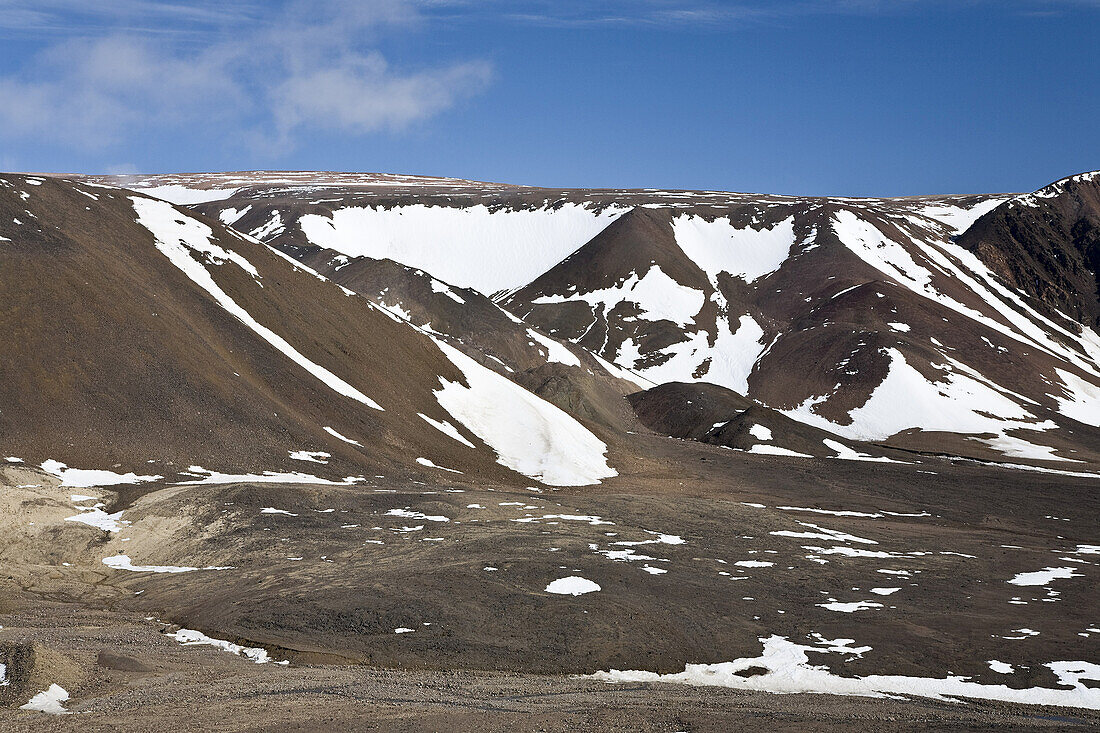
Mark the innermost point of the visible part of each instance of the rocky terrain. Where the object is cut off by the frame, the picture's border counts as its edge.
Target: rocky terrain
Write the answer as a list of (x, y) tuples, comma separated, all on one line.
[(394, 452)]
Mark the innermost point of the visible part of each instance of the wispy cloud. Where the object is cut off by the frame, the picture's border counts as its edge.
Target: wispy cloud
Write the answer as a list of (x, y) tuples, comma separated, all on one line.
[(301, 67), (709, 13)]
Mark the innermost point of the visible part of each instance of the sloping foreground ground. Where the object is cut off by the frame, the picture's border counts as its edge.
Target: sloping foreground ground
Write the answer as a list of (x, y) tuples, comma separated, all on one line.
[(875, 572)]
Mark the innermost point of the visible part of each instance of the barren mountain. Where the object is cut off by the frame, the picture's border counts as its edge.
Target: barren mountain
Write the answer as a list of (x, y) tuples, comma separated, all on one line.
[(143, 337), (1047, 244), (429, 448), (831, 310)]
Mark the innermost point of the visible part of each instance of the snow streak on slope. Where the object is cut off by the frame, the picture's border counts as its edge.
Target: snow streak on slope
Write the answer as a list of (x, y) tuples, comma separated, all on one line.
[(179, 237), (959, 403), (529, 435), (489, 250), (1024, 324)]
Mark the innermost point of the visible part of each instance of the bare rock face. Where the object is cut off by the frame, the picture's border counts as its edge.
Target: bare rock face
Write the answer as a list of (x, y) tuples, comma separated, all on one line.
[(1047, 244)]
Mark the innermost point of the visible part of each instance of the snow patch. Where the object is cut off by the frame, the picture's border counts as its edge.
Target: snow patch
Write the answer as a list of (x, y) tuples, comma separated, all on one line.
[(529, 435), (573, 585)]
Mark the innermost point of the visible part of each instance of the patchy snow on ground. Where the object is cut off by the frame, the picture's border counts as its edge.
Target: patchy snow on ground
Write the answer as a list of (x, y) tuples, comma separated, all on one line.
[(776, 450), (760, 432), (657, 297), (184, 196), (822, 533), (84, 478), (528, 434), (409, 514), (845, 453), (590, 519), (788, 671), (313, 456), (96, 517), (122, 562), (1081, 400), (957, 403), (207, 477), (190, 637), (850, 607), (735, 353), (573, 585), (1044, 576), (49, 701)]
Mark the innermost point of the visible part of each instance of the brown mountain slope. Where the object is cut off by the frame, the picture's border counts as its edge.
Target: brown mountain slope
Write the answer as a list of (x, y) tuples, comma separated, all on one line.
[(562, 373), (141, 338), (1047, 244)]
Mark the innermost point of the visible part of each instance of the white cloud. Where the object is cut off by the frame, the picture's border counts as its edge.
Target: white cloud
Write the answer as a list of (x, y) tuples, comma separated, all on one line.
[(310, 67), (360, 94)]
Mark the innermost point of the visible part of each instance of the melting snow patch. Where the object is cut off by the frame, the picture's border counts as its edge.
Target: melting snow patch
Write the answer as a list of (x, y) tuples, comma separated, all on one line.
[(851, 607), (82, 478), (1044, 576), (407, 514), (591, 519), (823, 533), (267, 477), (775, 450), (99, 519), (49, 701), (314, 456), (657, 296), (787, 670), (456, 243), (1000, 667), (845, 453), (760, 432), (122, 562), (572, 586), (190, 637), (529, 435), (1083, 400), (554, 350)]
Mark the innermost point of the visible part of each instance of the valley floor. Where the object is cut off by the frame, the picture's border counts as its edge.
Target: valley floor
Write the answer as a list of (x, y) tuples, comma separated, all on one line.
[(149, 683), (402, 605)]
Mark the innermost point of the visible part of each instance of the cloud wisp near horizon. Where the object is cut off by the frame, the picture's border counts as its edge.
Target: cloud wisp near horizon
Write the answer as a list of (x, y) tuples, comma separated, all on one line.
[(266, 80)]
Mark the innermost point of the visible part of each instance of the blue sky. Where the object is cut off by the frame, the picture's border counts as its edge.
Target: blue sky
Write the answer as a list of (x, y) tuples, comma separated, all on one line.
[(854, 97)]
